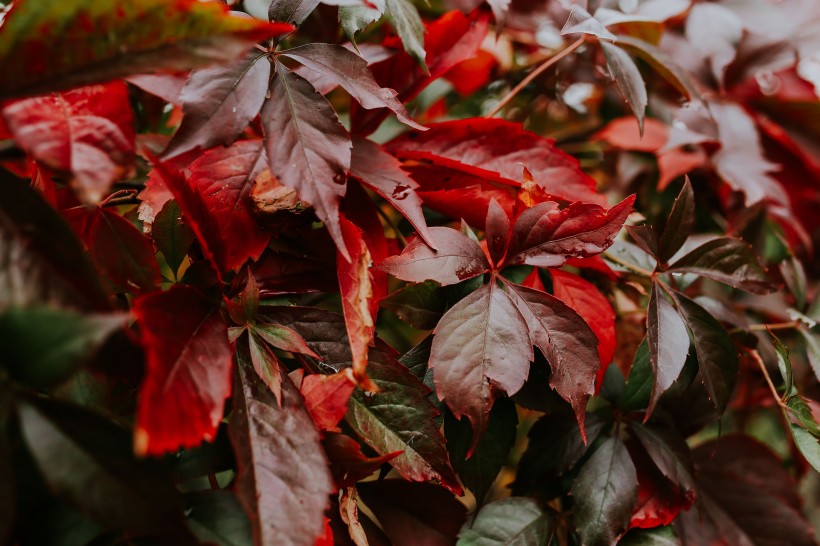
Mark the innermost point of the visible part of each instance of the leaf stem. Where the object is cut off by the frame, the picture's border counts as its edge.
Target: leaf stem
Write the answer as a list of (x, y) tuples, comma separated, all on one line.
[(389, 222), (632, 267), (535, 73), (756, 357), (764, 327)]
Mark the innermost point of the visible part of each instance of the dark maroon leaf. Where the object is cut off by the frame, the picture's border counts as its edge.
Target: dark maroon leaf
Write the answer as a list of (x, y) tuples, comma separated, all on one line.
[(547, 236), (645, 237), (605, 492), (730, 261), (480, 349), (670, 453), (308, 149), (172, 236), (218, 103), (347, 462), (625, 72), (414, 513), (679, 225), (458, 258), (188, 370), (668, 344), (283, 481), (291, 11), (497, 231)]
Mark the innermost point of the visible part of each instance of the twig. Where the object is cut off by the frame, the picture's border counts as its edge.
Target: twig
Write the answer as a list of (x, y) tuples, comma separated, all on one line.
[(756, 357), (535, 73), (632, 267), (764, 327)]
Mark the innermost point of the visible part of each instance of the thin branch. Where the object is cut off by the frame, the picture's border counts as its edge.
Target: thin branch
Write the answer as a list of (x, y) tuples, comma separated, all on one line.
[(765, 327), (632, 267), (535, 73), (756, 357)]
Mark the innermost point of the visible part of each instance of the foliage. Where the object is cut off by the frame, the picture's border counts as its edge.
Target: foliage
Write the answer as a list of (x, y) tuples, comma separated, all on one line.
[(395, 272)]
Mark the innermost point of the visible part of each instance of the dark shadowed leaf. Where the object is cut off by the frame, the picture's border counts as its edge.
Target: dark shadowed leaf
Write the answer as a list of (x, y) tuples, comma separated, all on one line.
[(625, 72), (645, 237), (670, 453), (640, 382), (730, 261), (515, 521), (218, 102), (188, 370), (458, 258), (73, 45), (419, 305), (87, 133), (546, 236), (308, 149), (347, 462), (659, 536), (215, 517), (172, 236), (605, 492), (43, 346), (479, 471), (89, 462), (481, 348), (717, 355), (283, 481), (414, 513), (668, 343), (679, 225)]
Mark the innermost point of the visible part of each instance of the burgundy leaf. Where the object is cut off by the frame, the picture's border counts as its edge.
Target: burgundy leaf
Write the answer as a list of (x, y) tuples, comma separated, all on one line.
[(218, 103), (308, 149), (458, 258), (347, 462), (495, 150), (480, 349), (625, 72), (546, 236), (730, 261), (345, 68), (668, 344), (283, 481), (87, 132), (679, 224), (497, 231), (188, 370)]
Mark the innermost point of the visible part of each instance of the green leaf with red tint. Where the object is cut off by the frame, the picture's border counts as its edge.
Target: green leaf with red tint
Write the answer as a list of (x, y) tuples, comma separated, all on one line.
[(123, 256), (188, 370), (510, 521), (282, 468), (87, 133), (53, 45), (172, 235)]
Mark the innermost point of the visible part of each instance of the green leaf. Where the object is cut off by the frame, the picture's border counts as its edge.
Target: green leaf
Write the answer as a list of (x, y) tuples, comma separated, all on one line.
[(514, 521), (717, 355), (605, 493), (215, 517), (679, 225), (419, 305), (356, 18), (809, 445), (659, 536), (42, 346), (51, 45), (625, 72), (727, 260), (640, 381), (406, 21), (172, 236), (480, 471)]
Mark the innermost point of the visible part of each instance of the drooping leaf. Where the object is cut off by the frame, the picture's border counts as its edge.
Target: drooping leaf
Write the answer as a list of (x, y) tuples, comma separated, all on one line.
[(356, 287), (218, 102), (308, 149), (86, 132), (414, 513), (356, 18), (717, 355), (43, 261), (458, 258), (728, 260), (625, 72), (481, 348), (668, 344), (283, 481), (43, 346), (348, 70), (89, 461), (266, 364), (326, 398), (670, 453), (347, 462), (408, 25), (123, 256), (495, 150), (479, 471), (746, 498), (188, 370), (663, 64), (215, 517), (283, 338), (514, 521), (679, 225), (567, 342), (381, 172), (51, 45), (546, 236), (172, 235), (641, 380), (605, 492), (645, 237)]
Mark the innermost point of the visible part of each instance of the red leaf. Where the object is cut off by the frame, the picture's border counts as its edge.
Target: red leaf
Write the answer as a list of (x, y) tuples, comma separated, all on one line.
[(587, 301), (448, 40), (88, 132), (546, 236), (470, 75), (458, 258), (326, 398), (622, 133), (121, 253), (218, 102), (188, 370), (594, 263), (308, 149), (497, 151), (347, 462), (356, 287), (480, 348)]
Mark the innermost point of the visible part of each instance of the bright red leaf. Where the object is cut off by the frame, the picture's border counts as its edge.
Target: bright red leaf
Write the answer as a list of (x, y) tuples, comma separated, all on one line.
[(326, 398)]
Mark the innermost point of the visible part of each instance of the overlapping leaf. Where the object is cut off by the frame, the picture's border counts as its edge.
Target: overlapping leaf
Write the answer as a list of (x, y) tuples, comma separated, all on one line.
[(509, 522)]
